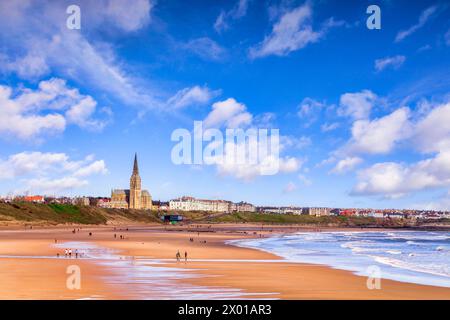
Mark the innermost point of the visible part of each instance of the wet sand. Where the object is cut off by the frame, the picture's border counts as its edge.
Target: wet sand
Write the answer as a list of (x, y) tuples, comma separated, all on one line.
[(29, 268)]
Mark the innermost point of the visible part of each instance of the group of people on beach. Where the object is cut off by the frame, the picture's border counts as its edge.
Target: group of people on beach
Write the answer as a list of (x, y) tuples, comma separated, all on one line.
[(178, 256), (68, 253)]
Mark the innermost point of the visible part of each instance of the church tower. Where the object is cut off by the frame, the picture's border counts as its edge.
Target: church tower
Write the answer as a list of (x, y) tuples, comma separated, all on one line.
[(135, 187)]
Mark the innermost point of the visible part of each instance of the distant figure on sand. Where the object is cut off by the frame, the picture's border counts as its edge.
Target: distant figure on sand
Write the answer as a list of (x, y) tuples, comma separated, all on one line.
[(178, 256), (185, 256), (70, 253), (66, 252), (76, 253)]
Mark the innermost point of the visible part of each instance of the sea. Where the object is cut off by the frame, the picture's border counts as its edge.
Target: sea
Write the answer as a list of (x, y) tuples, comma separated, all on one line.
[(421, 257)]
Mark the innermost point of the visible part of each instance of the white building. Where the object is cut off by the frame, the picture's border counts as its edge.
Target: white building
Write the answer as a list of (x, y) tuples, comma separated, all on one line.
[(376, 214), (193, 204)]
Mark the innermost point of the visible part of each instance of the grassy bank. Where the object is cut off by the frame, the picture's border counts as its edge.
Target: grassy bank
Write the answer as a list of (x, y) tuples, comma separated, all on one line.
[(307, 220), (64, 213)]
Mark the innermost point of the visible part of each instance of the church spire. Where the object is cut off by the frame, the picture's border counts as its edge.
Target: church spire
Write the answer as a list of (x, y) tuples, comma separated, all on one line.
[(135, 166)]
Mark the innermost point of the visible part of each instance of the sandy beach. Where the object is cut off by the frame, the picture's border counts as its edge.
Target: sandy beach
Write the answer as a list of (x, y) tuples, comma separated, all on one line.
[(142, 265)]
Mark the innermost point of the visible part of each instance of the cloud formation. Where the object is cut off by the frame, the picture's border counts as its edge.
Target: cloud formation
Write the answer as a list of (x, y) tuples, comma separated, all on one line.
[(293, 31), (425, 16), (393, 62), (393, 180), (357, 105), (228, 113), (192, 96), (346, 165), (205, 48), (222, 22), (428, 134), (49, 173), (32, 114)]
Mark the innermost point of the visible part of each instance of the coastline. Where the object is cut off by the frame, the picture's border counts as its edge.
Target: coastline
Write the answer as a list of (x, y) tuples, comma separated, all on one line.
[(214, 264)]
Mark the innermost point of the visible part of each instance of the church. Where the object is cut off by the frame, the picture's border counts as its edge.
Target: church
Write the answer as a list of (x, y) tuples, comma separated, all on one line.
[(133, 198)]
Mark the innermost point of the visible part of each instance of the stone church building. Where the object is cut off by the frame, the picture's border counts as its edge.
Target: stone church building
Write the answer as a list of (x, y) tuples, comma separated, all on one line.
[(133, 198)]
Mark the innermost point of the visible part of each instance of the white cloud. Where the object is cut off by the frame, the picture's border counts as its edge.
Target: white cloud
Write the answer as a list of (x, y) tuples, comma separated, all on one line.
[(235, 160), (432, 132), (290, 164), (293, 31), (326, 127), (392, 179), (311, 110), (357, 105), (309, 107), (394, 62), (379, 136), (229, 113), (49, 173), (296, 143), (222, 22), (30, 66), (23, 115), (248, 172), (96, 167), (54, 186), (346, 165), (424, 17), (127, 15), (206, 49), (192, 96), (81, 114)]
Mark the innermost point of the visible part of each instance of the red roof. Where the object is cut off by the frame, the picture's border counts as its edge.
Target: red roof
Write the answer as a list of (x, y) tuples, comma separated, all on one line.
[(34, 198)]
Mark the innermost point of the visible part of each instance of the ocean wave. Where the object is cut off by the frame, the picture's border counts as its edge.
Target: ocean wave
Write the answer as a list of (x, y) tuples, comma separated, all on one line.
[(434, 269), (393, 251)]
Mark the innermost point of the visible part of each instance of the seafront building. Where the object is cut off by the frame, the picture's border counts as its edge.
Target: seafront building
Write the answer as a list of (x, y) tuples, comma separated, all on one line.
[(193, 204)]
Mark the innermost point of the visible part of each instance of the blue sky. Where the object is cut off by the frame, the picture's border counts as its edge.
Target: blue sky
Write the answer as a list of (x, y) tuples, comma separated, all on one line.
[(363, 114)]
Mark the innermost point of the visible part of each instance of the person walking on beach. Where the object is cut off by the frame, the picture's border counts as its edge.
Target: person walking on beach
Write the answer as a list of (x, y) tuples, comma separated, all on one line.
[(185, 256), (76, 253), (178, 256), (70, 253), (65, 253)]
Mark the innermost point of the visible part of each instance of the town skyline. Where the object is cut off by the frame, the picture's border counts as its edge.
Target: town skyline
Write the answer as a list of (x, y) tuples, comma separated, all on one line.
[(75, 198)]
